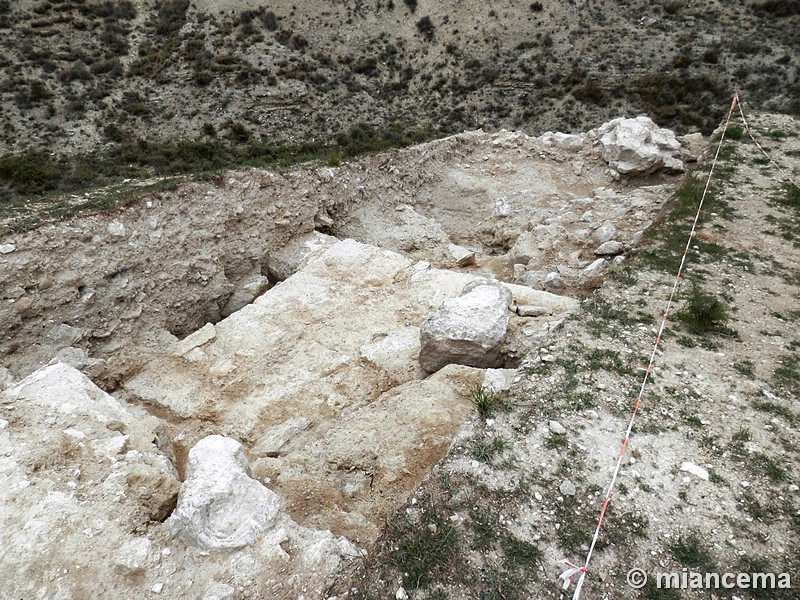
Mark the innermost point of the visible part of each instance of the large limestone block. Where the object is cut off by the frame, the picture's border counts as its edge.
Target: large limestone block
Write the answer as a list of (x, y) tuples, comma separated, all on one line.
[(639, 147), (220, 505), (468, 330)]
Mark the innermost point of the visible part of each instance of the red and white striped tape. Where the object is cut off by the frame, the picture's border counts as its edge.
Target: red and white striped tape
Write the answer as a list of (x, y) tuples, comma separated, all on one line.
[(574, 569), (786, 176)]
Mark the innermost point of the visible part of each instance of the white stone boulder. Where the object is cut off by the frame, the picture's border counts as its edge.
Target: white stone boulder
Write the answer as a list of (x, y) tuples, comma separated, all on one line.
[(639, 147), (692, 146), (462, 257), (610, 248), (220, 505), (565, 141), (468, 330), (280, 435)]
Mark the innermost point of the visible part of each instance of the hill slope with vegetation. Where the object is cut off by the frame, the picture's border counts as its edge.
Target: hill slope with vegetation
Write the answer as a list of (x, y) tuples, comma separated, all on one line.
[(99, 90)]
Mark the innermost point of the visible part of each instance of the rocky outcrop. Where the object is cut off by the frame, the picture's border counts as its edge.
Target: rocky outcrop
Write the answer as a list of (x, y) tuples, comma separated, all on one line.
[(639, 147), (89, 484), (467, 330), (81, 475), (320, 350)]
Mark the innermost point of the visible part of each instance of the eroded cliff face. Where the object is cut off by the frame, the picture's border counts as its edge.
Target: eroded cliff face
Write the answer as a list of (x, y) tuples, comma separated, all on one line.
[(313, 324)]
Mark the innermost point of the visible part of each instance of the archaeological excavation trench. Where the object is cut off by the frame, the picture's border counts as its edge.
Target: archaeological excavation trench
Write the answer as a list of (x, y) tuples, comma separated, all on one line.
[(331, 321)]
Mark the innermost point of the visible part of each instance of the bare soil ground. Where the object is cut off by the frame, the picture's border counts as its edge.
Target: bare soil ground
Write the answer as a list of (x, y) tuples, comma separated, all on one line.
[(496, 516)]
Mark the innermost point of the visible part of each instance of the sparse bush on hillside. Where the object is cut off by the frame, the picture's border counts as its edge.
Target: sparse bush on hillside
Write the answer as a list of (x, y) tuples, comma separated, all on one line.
[(111, 67), (123, 10), (291, 40), (30, 93), (778, 8), (113, 42), (711, 56), (536, 7), (426, 27), (237, 132), (270, 21), (672, 7), (411, 4), (703, 312), (134, 104), (114, 133), (76, 72), (365, 66), (31, 172), (682, 102), (171, 16)]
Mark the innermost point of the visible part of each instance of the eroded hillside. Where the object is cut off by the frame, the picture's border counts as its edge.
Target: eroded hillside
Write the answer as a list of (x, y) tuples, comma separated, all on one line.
[(90, 75)]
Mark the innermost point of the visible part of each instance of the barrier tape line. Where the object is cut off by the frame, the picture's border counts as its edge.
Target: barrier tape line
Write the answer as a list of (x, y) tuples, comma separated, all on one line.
[(761, 149), (573, 569)]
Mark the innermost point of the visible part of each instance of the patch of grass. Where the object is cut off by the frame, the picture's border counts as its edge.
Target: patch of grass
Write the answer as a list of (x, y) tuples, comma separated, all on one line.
[(485, 450), (734, 132), (521, 554), (742, 435), (764, 512), (484, 525), (538, 368), (624, 275), (745, 367), (786, 374), (420, 549), (694, 421), (704, 313), (601, 358), (484, 400), (790, 196), (690, 551), (556, 442), (774, 408), (761, 464), (605, 316)]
